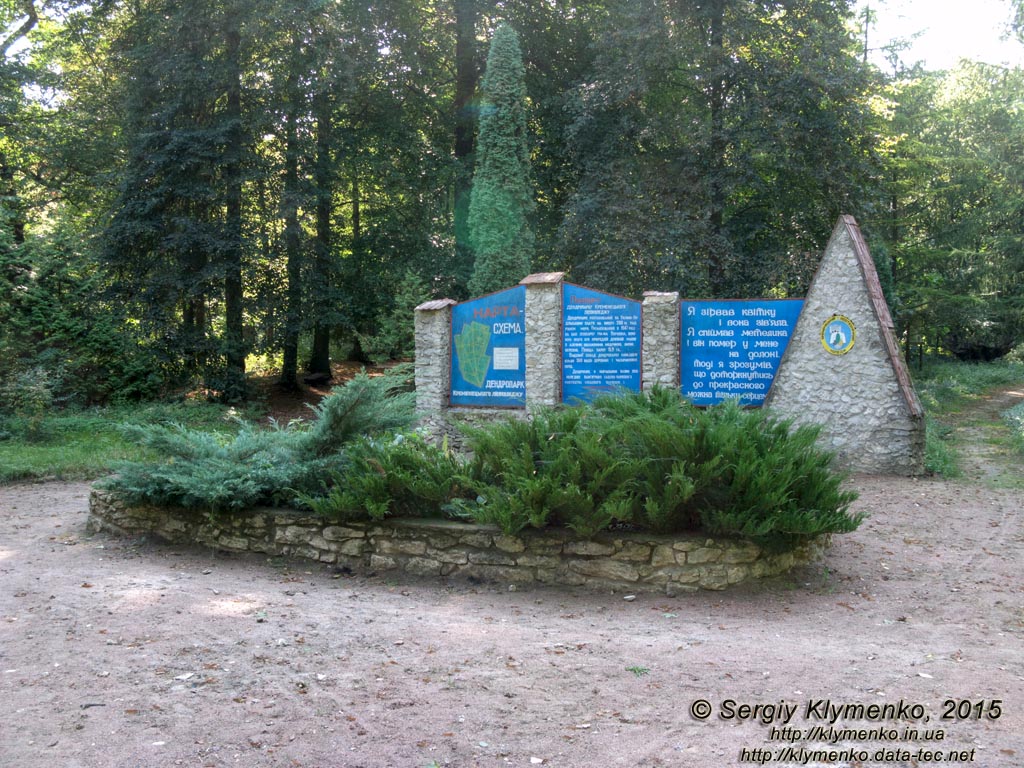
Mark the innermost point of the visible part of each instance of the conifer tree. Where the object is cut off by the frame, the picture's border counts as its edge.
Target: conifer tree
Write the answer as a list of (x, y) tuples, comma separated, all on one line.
[(502, 198)]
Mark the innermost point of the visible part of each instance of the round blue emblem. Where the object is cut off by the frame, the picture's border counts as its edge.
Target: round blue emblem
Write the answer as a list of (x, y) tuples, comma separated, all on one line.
[(838, 334)]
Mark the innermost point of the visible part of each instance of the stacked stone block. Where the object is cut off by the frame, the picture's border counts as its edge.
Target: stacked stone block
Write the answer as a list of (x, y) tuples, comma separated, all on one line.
[(659, 351), (444, 549)]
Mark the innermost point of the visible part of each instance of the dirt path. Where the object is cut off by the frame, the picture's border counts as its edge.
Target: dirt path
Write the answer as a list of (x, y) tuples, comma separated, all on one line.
[(119, 653), (986, 452)]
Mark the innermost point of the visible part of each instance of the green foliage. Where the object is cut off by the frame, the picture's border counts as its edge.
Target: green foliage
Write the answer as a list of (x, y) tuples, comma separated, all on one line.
[(206, 471), (394, 336), (1014, 419), (653, 462), (176, 223), (67, 450), (404, 477), (366, 405), (940, 456), (954, 183), (548, 471), (649, 462), (775, 486), (152, 152), (27, 398), (945, 385), (54, 329), (502, 199), (78, 443), (687, 146), (199, 469)]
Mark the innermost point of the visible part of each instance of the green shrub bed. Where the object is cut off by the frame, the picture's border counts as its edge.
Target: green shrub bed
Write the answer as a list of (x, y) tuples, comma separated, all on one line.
[(199, 469), (645, 462)]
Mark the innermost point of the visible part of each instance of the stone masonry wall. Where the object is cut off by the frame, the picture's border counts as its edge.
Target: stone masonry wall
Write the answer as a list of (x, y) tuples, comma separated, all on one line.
[(659, 353), (432, 378), (863, 399), (441, 549), (543, 339)]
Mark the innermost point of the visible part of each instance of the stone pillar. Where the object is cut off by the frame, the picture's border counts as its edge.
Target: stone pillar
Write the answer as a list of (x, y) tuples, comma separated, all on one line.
[(543, 339), (661, 338), (433, 358)]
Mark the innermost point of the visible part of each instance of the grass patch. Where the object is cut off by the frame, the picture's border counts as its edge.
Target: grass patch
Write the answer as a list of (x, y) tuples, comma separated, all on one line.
[(940, 454), (1014, 419), (946, 387), (86, 444)]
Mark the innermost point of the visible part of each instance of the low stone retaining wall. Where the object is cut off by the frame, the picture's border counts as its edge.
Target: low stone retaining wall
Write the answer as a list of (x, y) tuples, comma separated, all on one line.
[(434, 548)]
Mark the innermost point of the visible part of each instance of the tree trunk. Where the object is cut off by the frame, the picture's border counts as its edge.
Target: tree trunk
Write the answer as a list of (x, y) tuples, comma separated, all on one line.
[(193, 334), (357, 227), (467, 76), (357, 354), (320, 359), (234, 341), (9, 192), (292, 242), (716, 181)]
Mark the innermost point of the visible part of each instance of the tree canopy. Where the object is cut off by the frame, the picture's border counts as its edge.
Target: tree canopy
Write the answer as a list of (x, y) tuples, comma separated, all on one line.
[(189, 189)]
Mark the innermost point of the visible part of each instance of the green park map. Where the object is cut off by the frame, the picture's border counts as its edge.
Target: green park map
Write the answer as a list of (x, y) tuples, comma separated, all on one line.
[(471, 348)]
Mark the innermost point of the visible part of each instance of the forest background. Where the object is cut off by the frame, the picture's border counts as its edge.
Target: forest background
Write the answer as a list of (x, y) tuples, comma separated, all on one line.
[(192, 191)]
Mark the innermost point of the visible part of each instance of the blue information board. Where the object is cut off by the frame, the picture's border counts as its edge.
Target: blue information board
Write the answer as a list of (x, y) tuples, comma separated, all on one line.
[(732, 349), (489, 350), (600, 343)]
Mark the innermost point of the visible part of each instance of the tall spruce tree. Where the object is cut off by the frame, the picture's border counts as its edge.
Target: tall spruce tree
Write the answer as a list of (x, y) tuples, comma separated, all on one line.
[(502, 199), (175, 240)]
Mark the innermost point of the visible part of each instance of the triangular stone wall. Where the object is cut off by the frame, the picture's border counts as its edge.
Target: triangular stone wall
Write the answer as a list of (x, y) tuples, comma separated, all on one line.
[(843, 371)]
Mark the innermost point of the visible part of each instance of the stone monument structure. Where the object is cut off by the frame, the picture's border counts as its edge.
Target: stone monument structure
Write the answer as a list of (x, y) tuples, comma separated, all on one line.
[(843, 370), (830, 359)]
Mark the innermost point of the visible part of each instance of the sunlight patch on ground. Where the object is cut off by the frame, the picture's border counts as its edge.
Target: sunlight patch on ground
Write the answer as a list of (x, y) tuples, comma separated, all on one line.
[(141, 597), (234, 606)]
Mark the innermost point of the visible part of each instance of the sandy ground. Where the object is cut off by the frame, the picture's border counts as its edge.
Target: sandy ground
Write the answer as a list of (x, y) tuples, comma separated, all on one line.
[(120, 652)]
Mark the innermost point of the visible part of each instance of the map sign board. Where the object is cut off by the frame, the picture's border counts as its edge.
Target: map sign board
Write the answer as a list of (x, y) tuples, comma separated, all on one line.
[(489, 351), (732, 349), (600, 343)]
